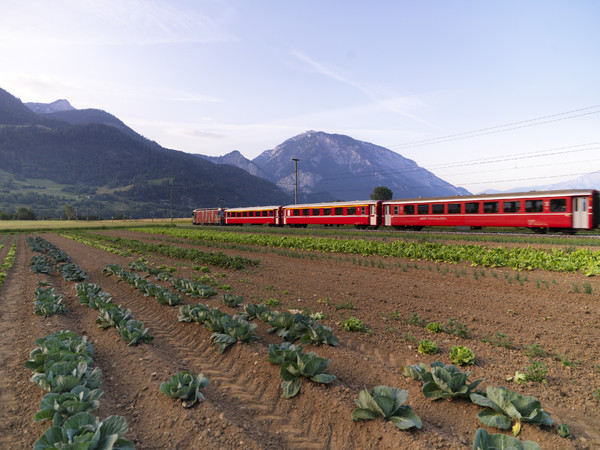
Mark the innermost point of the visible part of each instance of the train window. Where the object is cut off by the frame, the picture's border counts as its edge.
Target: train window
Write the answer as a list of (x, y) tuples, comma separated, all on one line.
[(558, 205), (339, 211), (534, 205), (490, 207), (306, 212), (326, 211), (423, 209), (245, 214), (471, 208), (437, 208), (351, 211), (316, 212), (512, 207), (363, 210), (453, 208), (395, 209), (271, 212), (409, 209), (296, 212)]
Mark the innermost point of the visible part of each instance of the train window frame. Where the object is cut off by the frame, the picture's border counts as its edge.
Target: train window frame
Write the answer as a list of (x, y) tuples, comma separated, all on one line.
[(437, 208), (351, 211), (316, 212), (396, 209), (558, 205), (270, 213), (296, 212), (363, 210), (245, 214), (306, 212), (534, 205), (338, 211), (511, 206), (423, 209), (454, 208), (472, 208), (409, 210), (326, 211), (491, 207)]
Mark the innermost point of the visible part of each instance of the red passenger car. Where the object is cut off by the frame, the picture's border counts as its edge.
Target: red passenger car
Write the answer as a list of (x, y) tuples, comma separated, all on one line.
[(208, 216), (362, 214), (567, 210), (257, 215)]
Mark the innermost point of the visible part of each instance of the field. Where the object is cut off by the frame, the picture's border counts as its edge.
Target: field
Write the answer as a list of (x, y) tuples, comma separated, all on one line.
[(542, 323)]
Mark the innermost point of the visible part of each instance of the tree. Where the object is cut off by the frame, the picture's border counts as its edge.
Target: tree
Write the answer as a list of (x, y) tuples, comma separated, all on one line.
[(69, 213), (24, 214), (382, 193)]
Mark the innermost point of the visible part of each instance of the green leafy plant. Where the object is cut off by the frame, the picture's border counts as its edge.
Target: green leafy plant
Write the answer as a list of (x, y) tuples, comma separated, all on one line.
[(434, 327), (503, 406), (386, 402), (498, 340), (485, 441), (273, 302), (534, 350), (536, 372), (186, 387), (456, 328), (60, 406), (84, 431), (345, 305), (415, 319), (307, 365), (427, 347), (233, 301), (564, 431), (133, 332), (442, 381), (353, 324), (461, 355), (278, 354), (234, 330)]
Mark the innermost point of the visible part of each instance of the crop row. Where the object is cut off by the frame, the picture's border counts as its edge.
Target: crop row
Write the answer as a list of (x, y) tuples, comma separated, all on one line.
[(218, 259), (518, 258), (61, 364), (9, 260), (49, 252)]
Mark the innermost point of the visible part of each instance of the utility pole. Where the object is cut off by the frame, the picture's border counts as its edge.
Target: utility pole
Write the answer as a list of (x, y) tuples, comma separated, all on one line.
[(296, 180), (171, 195)]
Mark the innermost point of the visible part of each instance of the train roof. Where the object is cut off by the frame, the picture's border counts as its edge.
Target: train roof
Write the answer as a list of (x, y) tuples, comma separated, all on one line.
[(333, 204), (254, 208), (498, 196)]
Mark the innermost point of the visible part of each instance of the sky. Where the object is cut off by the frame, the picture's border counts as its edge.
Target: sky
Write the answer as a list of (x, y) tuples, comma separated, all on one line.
[(485, 94)]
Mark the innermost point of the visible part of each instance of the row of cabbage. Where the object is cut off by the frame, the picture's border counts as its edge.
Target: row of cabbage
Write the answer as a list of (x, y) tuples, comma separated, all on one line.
[(518, 258), (62, 366), (50, 255), (8, 262)]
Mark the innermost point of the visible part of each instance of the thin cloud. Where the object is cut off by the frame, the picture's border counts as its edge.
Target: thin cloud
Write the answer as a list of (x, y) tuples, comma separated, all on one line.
[(396, 104)]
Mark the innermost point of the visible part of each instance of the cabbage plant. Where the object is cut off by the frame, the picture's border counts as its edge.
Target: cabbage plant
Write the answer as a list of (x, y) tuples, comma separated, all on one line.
[(84, 431), (60, 407), (386, 402), (485, 441), (133, 332), (233, 301), (504, 406), (253, 311), (186, 387), (307, 365), (234, 330), (442, 381), (278, 354), (461, 355)]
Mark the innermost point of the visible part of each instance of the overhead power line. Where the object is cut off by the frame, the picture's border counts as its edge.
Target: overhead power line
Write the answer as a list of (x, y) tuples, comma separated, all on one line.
[(500, 128)]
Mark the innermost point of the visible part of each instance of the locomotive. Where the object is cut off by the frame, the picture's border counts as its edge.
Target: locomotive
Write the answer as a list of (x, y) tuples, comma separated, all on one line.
[(560, 210)]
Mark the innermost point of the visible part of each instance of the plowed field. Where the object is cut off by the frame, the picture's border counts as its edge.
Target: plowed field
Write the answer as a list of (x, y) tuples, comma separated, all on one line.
[(243, 407)]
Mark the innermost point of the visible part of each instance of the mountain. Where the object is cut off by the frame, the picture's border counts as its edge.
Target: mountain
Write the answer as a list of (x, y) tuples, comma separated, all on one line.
[(333, 166), (91, 162), (47, 108), (587, 181), (235, 158)]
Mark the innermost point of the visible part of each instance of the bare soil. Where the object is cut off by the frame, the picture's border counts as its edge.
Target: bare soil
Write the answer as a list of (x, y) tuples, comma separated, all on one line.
[(243, 405)]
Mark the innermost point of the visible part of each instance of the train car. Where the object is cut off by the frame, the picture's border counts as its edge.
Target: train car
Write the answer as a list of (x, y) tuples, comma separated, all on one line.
[(565, 210), (257, 215), (208, 216), (361, 214)]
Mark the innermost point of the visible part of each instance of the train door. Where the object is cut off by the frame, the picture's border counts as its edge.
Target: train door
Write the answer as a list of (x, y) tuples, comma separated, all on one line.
[(580, 212), (373, 215), (387, 216)]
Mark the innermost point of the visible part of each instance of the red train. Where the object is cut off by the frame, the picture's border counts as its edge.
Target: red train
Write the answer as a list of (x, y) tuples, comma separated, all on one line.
[(565, 210)]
